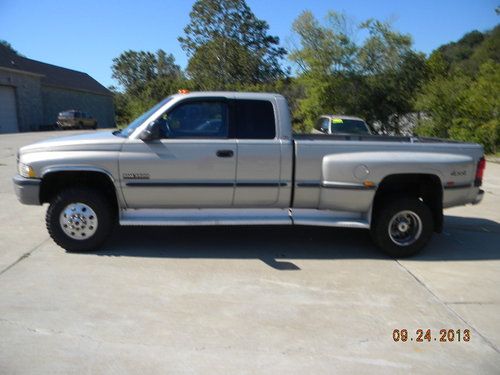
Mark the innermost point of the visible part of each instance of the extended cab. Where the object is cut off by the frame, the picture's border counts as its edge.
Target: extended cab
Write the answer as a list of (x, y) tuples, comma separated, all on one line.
[(230, 158)]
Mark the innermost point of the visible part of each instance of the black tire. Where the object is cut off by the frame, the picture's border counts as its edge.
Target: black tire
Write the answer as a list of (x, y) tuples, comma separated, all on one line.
[(97, 202), (413, 211)]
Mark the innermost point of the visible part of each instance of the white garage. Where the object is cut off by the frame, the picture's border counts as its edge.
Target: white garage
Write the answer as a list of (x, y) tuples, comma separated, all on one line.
[(8, 110)]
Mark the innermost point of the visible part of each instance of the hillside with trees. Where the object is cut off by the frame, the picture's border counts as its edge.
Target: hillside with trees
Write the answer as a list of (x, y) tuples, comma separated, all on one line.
[(461, 96)]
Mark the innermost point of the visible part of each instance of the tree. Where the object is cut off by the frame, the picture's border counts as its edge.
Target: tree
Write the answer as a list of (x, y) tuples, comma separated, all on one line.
[(471, 51), (376, 80), (145, 78), (9, 47), (135, 69), (324, 49), (237, 66), (463, 108), (461, 97), (384, 50), (228, 44)]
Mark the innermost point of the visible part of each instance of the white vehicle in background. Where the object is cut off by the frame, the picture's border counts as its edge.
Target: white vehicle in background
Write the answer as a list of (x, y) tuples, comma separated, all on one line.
[(339, 124)]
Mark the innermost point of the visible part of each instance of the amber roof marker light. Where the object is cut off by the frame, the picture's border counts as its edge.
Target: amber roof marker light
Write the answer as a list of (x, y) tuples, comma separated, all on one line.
[(183, 91)]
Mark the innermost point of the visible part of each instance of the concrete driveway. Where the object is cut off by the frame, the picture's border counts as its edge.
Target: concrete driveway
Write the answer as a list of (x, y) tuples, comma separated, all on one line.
[(270, 300)]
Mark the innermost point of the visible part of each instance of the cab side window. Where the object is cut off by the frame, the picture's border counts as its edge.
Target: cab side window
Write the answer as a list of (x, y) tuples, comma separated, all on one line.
[(200, 119)]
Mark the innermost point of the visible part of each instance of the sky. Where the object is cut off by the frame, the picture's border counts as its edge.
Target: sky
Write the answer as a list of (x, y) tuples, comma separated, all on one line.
[(87, 35)]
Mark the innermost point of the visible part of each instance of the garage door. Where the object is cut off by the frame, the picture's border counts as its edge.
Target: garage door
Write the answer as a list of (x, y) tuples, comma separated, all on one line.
[(8, 112)]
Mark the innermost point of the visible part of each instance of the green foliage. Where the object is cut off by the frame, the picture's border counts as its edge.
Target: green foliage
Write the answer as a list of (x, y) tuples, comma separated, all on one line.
[(461, 99), (472, 50), (384, 48), (323, 49), (237, 67), (145, 78), (228, 45), (376, 80), (441, 100), (463, 108), (135, 69)]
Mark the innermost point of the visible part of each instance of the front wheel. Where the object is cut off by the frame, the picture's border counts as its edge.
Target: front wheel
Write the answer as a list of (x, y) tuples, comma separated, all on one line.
[(403, 227), (79, 219)]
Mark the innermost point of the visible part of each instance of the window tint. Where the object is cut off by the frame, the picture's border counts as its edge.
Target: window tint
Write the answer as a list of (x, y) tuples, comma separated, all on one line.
[(349, 126), (322, 125), (140, 120), (325, 126), (318, 124), (203, 119), (254, 119)]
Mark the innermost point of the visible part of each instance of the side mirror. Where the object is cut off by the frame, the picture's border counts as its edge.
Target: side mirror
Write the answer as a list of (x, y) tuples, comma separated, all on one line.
[(151, 133)]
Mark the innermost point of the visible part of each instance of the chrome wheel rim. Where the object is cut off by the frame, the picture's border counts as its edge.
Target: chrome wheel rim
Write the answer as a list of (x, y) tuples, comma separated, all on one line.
[(405, 228), (78, 221)]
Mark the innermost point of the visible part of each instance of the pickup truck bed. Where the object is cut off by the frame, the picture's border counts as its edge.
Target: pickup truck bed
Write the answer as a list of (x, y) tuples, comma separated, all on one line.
[(231, 158)]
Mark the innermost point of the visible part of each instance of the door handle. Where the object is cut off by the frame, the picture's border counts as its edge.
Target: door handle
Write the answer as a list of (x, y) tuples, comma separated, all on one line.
[(225, 153)]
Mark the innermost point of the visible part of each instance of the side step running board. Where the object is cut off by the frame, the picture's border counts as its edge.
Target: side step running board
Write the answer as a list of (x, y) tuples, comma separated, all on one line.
[(328, 218), (229, 216), (205, 217)]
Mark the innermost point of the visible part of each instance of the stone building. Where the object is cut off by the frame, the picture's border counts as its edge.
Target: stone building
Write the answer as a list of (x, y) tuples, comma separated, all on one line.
[(32, 94)]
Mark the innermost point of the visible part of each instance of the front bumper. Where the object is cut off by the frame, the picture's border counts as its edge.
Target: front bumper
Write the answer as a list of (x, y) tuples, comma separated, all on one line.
[(479, 197), (27, 190)]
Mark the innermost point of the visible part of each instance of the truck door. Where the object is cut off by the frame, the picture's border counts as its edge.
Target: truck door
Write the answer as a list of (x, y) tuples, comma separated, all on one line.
[(192, 165), (259, 154)]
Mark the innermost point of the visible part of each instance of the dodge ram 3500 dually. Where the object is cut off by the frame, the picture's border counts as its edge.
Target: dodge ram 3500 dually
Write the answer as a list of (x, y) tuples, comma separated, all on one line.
[(227, 158)]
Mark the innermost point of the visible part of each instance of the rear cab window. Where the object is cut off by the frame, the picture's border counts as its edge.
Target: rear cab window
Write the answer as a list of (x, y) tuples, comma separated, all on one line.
[(254, 119)]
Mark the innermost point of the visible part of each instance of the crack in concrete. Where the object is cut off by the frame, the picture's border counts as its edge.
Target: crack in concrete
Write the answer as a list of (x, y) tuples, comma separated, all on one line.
[(448, 307), (24, 256), (472, 303)]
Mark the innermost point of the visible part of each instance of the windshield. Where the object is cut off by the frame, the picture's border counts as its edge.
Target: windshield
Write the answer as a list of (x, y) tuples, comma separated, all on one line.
[(139, 120), (349, 126)]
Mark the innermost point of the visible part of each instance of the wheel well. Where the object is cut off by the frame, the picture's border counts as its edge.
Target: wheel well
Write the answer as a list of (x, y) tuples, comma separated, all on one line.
[(426, 187), (54, 182)]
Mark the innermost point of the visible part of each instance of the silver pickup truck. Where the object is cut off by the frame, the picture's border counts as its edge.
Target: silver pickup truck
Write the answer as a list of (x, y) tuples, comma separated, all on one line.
[(226, 158)]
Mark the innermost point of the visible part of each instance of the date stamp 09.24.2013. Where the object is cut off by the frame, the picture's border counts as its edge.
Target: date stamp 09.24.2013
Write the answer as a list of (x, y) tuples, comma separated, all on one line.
[(428, 335)]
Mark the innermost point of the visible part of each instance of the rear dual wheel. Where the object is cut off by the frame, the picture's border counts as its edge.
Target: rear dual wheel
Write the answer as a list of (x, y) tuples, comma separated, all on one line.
[(402, 227)]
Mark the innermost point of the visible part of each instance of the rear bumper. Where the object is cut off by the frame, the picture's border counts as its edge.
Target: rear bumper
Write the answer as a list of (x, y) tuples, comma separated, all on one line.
[(479, 197), (27, 190)]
